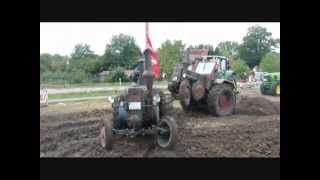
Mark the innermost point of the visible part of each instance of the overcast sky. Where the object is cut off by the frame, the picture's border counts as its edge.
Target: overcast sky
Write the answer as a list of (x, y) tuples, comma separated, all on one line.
[(62, 37)]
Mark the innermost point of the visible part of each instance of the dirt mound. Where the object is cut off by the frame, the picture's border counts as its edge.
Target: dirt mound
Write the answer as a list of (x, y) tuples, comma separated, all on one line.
[(257, 106), (254, 131), (74, 115)]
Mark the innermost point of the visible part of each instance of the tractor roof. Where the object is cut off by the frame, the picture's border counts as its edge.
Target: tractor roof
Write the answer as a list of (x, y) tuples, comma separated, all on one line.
[(210, 58), (274, 73)]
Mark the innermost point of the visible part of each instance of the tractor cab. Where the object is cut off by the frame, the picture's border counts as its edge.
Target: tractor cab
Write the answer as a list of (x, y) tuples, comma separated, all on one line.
[(211, 67)]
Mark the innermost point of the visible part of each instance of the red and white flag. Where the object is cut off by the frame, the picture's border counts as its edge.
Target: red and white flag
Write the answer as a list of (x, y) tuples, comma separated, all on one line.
[(154, 55)]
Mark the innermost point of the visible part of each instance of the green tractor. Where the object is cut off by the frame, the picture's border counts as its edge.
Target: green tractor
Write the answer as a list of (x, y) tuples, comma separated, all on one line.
[(205, 83), (271, 84)]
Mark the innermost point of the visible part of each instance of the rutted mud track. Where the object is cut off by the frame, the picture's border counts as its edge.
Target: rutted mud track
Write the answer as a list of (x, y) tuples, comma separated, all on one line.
[(254, 131)]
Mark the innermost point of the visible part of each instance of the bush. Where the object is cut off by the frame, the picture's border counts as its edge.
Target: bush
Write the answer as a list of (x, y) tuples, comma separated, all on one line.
[(270, 63), (57, 77), (115, 75), (241, 68), (78, 77)]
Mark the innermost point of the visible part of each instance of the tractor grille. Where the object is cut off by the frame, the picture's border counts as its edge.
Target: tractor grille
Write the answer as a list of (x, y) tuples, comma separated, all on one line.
[(135, 94)]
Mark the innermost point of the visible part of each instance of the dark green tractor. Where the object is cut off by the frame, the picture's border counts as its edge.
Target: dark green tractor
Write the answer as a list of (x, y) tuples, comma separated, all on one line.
[(271, 84)]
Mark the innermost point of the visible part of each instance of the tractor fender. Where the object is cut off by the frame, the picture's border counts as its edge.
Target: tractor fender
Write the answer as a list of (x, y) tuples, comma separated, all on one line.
[(221, 81)]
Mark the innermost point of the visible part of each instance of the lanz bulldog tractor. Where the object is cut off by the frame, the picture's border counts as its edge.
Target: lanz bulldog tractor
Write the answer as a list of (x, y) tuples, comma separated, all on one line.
[(206, 83), (141, 110)]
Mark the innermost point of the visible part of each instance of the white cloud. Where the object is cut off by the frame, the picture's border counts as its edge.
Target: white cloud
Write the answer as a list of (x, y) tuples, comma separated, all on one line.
[(62, 37)]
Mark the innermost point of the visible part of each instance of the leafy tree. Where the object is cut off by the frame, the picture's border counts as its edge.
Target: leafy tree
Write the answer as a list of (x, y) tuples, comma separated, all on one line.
[(204, 46), (82, 51), (228, 49), (117, 74), (52, 63), (257, 43), (122, 52), (45, 60), (170, 55), (77, 76), (217, 52), (241, 68), (270, 62)]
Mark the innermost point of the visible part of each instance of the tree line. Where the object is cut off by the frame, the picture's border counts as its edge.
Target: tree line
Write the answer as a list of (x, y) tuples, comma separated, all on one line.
[(83, 65)]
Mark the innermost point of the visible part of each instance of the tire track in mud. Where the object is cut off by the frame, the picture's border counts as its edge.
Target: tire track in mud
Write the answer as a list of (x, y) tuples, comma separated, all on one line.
[(245, 134)]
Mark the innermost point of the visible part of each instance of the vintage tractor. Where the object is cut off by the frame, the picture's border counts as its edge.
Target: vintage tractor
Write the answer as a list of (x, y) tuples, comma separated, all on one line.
[(206, 83), (271, 84), (141, 110)]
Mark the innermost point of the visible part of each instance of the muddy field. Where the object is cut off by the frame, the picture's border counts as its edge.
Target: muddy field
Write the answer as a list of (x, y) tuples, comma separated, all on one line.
[(72, 130)]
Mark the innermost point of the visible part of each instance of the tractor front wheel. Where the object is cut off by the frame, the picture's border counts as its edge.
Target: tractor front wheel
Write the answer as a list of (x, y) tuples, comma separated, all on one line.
[(106, 134), (167, 137)]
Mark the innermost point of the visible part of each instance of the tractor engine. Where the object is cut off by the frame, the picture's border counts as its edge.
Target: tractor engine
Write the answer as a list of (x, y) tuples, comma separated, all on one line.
[(135, 109), (130, 109), (140, 110)]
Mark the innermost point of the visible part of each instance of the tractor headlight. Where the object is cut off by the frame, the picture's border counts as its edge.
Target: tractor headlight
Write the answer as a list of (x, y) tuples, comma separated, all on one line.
[(156, 99), (184, 75), (175, 78), (111, 99)]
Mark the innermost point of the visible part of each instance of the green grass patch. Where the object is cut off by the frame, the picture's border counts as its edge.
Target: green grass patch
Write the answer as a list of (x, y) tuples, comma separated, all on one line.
[(59, 85), (83, 94)]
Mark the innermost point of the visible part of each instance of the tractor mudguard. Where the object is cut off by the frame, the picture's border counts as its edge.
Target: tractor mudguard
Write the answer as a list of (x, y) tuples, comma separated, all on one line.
[(221, 81)]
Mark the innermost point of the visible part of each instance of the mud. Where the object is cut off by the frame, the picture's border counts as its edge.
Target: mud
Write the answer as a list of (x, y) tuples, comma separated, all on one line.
[(254, 131)]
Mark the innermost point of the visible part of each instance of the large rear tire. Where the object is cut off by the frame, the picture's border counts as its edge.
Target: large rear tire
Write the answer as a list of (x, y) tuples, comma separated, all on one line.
[(106, 134), (221, 100), (169, 139), (276, 89), (262, 90), (185, 96)]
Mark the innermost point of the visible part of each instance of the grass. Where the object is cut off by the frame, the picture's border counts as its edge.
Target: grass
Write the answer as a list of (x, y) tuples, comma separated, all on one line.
[(61, 85), (83, 94)]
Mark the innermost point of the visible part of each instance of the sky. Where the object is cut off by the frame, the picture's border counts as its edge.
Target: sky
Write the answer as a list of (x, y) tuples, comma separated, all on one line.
[(60, 38)]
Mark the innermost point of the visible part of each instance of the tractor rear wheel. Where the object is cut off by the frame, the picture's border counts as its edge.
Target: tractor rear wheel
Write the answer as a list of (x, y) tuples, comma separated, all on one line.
[(167, 138), (185, 96), (262, 90), (276, 89), (221, 100), (106, 134)]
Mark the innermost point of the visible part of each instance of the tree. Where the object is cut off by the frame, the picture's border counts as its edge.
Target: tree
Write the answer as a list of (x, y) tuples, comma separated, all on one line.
[(45, 60), (170, 55), (52, 63), (116, 75), (122, 52), (241, 68), (82, 51), (257, 43), (228, 49), (270, 63)]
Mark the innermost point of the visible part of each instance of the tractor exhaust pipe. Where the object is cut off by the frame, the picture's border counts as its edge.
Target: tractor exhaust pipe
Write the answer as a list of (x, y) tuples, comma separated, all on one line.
[(186, 59), (147, 74)]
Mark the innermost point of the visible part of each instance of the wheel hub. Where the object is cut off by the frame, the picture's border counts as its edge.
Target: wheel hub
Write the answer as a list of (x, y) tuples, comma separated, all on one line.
[(186, 95), (224, 102), (103, 136)]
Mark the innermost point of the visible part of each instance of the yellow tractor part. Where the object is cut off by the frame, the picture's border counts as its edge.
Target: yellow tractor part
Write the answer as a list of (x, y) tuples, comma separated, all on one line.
[(278, 89)]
